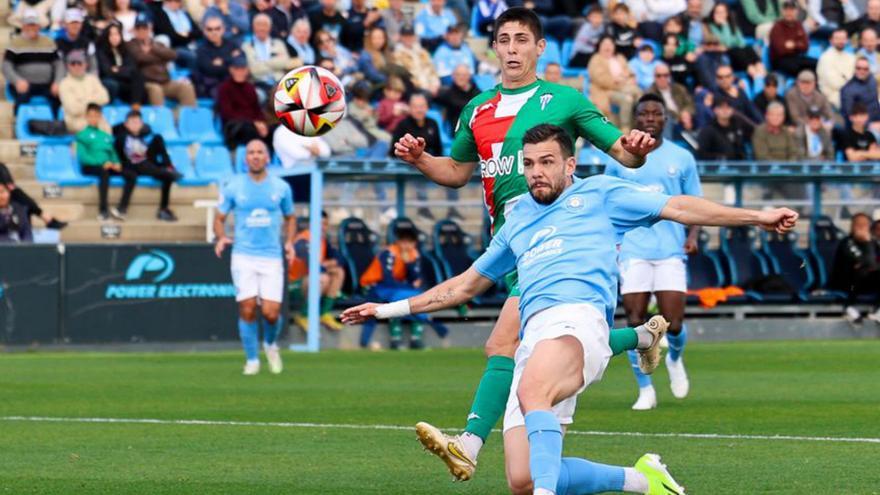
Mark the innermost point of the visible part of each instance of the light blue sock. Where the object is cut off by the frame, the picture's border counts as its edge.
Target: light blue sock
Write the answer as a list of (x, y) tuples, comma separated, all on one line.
[(677, 343), (248, 331), (642, 379), (545, 449), (271, 331), (580, 476)]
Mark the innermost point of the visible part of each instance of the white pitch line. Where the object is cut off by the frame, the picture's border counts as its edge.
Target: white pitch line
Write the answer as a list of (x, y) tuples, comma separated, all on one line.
[(277, 424)]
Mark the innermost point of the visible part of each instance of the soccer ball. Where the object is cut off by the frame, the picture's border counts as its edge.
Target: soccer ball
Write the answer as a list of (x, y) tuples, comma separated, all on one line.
[(309, 100)]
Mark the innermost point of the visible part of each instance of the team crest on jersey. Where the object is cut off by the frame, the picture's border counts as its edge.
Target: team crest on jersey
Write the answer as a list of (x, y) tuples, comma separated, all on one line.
[(672, 170), (545, 99), (575, 203)]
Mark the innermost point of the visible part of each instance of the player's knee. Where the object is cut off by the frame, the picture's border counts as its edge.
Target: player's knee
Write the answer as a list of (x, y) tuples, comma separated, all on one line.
[(534, 394), (497, 347), (247, 310), (271, 314), (675, 325)]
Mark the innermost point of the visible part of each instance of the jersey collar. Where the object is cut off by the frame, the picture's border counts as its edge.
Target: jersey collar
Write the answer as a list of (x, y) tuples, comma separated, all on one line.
[(523, 89)]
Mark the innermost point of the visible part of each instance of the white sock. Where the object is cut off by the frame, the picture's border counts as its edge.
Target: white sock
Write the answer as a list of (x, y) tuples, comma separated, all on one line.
[(253, 361), (472, 444), (646, 338), (634, 481)]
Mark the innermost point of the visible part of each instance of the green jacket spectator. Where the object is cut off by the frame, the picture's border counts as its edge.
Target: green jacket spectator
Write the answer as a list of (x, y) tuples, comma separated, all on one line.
[(98, 158), (94, 147)]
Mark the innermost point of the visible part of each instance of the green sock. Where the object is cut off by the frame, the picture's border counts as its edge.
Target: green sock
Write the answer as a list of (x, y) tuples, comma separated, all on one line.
[(395, 329), (623, 339), (491, 397), (416, 330), (327, 303)]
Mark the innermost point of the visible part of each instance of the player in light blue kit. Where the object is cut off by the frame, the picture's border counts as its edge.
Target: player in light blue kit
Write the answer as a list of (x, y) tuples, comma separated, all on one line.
[(653, 259), (562, 239), (260, 203)]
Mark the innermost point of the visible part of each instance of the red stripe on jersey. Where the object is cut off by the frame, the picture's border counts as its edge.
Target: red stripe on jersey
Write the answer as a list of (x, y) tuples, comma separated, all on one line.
[(489, 132), (489, 196)]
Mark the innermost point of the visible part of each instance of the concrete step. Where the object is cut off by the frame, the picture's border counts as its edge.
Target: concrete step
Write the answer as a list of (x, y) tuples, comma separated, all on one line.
[(134, 231), (142, 212), (21, 171), (141, 195), (11, 151)]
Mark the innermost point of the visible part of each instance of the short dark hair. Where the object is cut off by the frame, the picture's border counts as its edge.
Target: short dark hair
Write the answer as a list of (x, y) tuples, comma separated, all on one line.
[(651, 97), (93, 107), (863, 215), (406, 233), (134, 113), (771, 80), (858, 108), (549, 132), (522, 15)]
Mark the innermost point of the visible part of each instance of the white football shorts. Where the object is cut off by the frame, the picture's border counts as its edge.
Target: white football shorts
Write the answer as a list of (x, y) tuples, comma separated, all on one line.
[(582, 321), (638, 275), (255, 276)]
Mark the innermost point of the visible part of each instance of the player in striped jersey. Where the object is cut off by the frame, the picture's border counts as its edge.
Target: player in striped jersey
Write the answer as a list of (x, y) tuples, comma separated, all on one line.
[(489, 134)]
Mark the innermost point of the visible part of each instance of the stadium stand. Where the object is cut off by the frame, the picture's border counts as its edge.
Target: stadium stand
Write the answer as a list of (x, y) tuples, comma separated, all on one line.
[(357, 245)]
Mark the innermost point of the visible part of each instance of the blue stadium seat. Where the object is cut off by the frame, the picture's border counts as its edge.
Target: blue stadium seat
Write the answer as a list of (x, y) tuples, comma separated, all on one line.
[(213, 163), (161, 121), (485, 82), (56, 163), (357, 245), (824, 239), (703, 268), (568, 71), (28, 112), (183, 163), (792, 264), (445, 131), (552, 53), (743, 261), (115, 114), (432, 274), (197, 125), (591, 155), (454, 249)]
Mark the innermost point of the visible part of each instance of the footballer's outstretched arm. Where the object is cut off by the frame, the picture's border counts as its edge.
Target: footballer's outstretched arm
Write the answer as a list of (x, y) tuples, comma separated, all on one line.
[(692, 210), (442, 170), (631, 149), (453, 292)]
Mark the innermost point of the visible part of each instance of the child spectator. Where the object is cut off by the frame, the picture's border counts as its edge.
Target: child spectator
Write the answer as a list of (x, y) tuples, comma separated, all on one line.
[(432, 23), (97, 158), (621, 31), (643, 66), (680, 65), (724, 137), (587, 38), (392, 109), (331, 279), (857, 142), (452, 53)]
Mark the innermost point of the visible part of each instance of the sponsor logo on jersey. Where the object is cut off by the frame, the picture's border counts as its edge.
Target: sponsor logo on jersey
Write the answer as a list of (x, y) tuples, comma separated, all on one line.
[(545, 99), (575, 203), (543, 244), (498, 165), (259, 218)]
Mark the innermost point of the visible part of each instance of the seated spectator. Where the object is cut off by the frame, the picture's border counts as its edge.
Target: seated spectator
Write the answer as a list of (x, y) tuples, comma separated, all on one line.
[(712, 57), (612, 83), (299, 44), (870, 19), (745, 109), (118, 71), (343, 60), (789, 43), (686, 46), (395, 273), (680, 65), (143, 152), (488, 11), (677, 98), (433, 22), (360, 20), (552, 73), (770, 140), (453, 98), (294, 149), (743, 57), (410, 55), (293, 10), (332, 276), (453, 52), (125, 16), (239, 108), (861, 89), (31, 65), (267, 57), (693, 26), (857, 142), (394, 18), (213, 56), (234, 15), (280, 26), (556, 23), (724, 137), (855, 270), (73, 38), (868, 49), (651, 14), (803, 97), (97, 158), (643, 66), (762, 14), (622, 32), (327, 18), (391, 109), (825, 16), (97, 17), (375, 62), (20, 197), (171, 20), (78, 90), (361, 111), (814, 140), (44, 13), (835, 67), (768, 95), (418, 125), (152, 60), (15, 224), (587, 38)]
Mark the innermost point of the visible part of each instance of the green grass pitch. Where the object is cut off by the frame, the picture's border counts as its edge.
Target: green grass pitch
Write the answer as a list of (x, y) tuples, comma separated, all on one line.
[(812, 389)]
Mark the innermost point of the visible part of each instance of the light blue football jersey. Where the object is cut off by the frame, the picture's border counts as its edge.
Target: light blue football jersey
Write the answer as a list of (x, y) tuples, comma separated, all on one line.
[(670, 169), (259, 208), (566, 252)]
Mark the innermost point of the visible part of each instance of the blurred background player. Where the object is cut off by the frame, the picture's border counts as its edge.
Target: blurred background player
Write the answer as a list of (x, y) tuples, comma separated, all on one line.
[(653, 259), (396, 273), (332, 275), (258, 202)]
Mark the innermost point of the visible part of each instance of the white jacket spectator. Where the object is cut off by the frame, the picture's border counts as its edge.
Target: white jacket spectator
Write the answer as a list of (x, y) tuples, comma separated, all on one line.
[(655, 10), (835, 67), (267, 57), (77, 90), (293, 149)]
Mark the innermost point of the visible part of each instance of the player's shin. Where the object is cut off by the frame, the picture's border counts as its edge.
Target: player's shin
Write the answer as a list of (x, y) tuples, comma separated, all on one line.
[(545, 449), (676, 342), (490, 399), (248, 332), (272, 330)]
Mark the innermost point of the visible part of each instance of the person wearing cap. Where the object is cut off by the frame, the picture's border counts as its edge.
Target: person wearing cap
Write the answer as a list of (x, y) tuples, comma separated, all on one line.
[(213, 56), (770, 140), (152, 60), (410, 55), (836, 66), (239, 108), (31, 65), (267, 56), (172, 20), (789, 43), (453, 52), (46, 11), (73, 38), (814, 139), (432, 23), (299, 43), (724, 137), (804, 96), (77, 90)]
